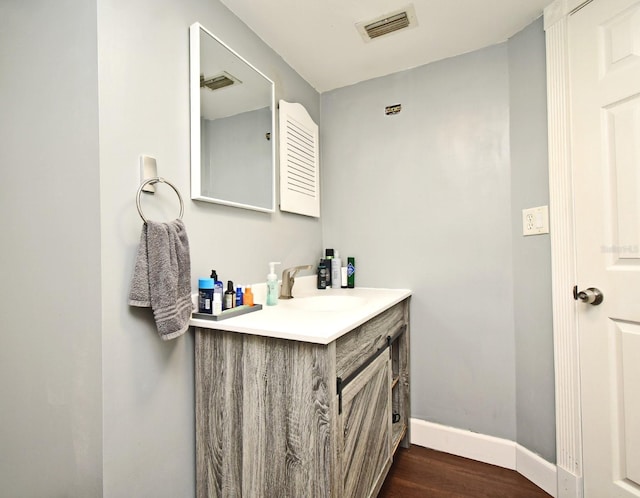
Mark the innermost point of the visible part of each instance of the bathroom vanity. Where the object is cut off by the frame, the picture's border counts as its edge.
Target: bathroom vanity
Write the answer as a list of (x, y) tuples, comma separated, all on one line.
[(307, 398)]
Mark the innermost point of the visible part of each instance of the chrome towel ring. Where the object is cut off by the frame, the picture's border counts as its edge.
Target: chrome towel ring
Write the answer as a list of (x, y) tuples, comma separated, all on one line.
[(152, 181)]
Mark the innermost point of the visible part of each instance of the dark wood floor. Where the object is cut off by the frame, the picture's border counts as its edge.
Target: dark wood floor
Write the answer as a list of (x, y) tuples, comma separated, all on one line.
[(421, 472)]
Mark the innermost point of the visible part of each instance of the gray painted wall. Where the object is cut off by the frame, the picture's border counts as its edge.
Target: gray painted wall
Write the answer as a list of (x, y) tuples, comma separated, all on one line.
[(94, 403), (422, 199), (535, 401), (431, 199), (50, 307), (144, 108)]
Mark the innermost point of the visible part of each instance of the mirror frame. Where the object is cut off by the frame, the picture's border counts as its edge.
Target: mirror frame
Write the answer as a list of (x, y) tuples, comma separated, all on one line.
[(194, 86)]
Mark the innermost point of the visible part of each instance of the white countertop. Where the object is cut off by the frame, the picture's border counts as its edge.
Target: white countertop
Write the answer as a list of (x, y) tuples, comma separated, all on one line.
[(287, 320)]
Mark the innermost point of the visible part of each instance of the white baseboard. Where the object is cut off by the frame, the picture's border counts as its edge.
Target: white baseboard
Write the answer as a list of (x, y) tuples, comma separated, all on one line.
[(487, 449), (535, 468)]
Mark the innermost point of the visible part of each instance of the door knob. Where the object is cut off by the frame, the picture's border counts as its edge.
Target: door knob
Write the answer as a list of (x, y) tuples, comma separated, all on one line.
[(591, 295)]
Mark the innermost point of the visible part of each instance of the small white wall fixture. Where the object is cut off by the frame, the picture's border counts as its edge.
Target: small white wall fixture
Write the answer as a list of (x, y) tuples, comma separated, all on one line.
[(299, 162)]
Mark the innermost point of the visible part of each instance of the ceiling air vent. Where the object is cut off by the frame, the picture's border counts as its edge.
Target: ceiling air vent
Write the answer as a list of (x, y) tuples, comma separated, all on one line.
[(218, 81), (394, 21)]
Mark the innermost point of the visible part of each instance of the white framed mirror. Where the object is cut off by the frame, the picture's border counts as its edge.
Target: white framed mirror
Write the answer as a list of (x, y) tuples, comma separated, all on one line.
[(232, 126)]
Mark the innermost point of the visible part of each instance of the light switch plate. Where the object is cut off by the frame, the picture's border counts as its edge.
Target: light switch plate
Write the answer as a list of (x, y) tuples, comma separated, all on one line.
[(535, 221), (148, 169)]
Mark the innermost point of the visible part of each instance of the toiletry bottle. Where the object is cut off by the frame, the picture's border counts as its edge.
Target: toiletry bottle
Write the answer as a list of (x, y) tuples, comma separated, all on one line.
[(327, 262), (229, 296), (217, 304), (336, 263), (327, 277), (205, 295), (351, 273), (239, 296), (272, 285), (248, 296), (322, 275), (343, 277), (218, 287)]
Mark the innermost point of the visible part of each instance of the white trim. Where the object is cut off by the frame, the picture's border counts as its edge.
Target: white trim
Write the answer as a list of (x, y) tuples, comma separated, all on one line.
[(569, 485), (563, 272), (488, 449), (195, 125)]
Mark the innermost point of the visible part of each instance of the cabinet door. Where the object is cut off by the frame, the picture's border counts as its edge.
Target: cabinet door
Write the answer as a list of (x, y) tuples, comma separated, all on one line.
[(366, 428)]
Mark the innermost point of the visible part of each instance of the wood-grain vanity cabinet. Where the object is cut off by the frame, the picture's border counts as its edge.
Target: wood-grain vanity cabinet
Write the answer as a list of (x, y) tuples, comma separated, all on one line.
[(287, 418)]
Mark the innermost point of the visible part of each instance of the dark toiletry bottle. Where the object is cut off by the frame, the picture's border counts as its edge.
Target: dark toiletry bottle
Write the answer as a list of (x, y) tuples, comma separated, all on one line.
[(229, 296), (351, 273), (327, 262), (322, 275)]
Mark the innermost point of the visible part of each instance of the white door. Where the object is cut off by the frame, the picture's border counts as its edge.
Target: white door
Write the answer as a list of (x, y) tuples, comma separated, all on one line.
[(604, 55)]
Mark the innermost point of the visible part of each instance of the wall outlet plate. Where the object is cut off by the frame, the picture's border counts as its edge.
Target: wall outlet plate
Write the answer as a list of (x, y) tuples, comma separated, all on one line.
[(535, 221)]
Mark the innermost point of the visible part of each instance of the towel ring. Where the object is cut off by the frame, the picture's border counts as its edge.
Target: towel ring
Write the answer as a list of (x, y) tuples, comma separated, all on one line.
[(152, 181)]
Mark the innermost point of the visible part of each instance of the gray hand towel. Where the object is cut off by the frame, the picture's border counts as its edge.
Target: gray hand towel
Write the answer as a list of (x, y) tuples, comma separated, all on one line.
[(162, 277)]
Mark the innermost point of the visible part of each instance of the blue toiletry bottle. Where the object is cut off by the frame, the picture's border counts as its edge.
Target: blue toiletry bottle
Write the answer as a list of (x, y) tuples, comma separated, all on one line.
[(239, 296)]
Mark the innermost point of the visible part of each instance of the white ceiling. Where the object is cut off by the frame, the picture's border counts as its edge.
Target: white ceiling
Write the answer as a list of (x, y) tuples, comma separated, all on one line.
[(318, 38)]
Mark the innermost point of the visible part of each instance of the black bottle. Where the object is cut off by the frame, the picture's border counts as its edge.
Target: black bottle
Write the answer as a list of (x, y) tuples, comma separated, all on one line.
[(229, 296), (322, 275), (329, 253)]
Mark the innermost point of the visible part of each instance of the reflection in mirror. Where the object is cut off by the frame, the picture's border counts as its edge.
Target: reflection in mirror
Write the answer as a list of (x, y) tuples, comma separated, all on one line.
[(232, 123)]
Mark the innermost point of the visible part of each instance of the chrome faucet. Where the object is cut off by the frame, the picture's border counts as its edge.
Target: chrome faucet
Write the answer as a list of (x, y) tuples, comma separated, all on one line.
[(288, 279)]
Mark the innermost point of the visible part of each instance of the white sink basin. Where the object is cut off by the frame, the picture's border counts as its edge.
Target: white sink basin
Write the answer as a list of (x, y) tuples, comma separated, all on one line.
[(326, 303)]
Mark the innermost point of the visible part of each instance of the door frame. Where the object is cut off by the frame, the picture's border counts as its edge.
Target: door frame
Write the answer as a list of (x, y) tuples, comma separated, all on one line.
[(563, 257)]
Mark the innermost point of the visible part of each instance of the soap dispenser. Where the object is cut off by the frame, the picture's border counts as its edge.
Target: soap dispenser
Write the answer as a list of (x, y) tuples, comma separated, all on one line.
[(272, 285)]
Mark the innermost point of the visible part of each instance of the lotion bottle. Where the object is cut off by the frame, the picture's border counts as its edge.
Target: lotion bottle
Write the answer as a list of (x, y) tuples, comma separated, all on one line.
[(336, 277), (272, 285), (217, 304), (218, 287)]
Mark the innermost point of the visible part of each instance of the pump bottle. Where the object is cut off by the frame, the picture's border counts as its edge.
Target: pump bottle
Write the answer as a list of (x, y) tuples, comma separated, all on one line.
[(218, 287), (229, 296), (272, 285)]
